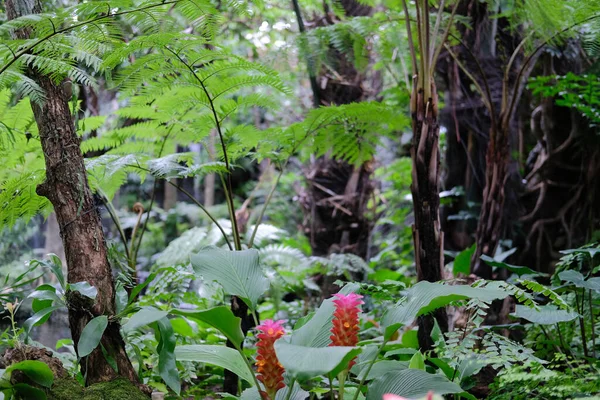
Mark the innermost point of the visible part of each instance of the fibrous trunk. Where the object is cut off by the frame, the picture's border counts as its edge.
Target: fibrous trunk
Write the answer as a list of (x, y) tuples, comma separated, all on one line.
[(335, 203), (67, 188), (427, 235), (490, 227)]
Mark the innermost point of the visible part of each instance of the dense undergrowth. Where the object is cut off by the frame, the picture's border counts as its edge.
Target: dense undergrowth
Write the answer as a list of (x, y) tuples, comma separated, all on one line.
[(203, 163)]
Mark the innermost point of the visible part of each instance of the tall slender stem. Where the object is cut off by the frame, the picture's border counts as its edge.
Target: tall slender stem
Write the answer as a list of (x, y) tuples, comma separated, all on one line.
[(369, 367), (264, 208), (592, 321), (135, 248), (228, 187)]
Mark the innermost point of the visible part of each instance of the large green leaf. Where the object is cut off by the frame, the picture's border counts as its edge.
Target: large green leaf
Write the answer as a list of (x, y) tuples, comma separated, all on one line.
[(462, 262), (91, 335), (46, 292), (410, 383), (25, 391), (39, 317), (383, 367), (84, 288), (297, 393), (515, 269), (143, 317), (220, 356), (316, 332), (35, 370), (221, 318), (576, 278), (546, 315), (303, 363), (167, 367), (239, 272), (425, 297)]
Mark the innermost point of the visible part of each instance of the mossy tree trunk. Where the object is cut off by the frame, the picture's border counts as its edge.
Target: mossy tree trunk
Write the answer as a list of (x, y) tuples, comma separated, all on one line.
[(67, 188)]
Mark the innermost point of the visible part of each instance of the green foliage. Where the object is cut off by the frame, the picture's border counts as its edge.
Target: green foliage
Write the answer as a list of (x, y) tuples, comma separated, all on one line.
[(573, 91)]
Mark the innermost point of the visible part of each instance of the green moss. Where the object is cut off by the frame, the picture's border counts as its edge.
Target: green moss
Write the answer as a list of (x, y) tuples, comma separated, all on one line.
[(120, 389), (65, 389), (70, 389)]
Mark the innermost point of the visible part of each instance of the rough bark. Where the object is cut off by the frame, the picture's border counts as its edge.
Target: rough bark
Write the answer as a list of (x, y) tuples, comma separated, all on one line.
[(67, 188), (479, 150), (427, 234), (335, 203), (562, 175), (491, 218)]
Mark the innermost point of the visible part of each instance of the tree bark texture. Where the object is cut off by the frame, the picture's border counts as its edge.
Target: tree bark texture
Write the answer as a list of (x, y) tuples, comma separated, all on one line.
[(562, 174), (335, 203), (427, 234), (491, 228), (478, 150), (67, 188)]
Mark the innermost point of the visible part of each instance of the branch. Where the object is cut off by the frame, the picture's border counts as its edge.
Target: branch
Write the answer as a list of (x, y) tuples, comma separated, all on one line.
[(487, 92), (28, 49), (229, 187), (528, 59)]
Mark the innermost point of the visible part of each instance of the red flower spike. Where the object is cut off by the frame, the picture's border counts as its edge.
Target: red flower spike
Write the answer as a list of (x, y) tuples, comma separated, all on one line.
[(270, 371), (345, 320)]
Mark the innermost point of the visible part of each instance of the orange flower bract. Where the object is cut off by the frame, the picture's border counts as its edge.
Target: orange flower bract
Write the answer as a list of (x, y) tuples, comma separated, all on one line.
[(345, 320), (270, 371)]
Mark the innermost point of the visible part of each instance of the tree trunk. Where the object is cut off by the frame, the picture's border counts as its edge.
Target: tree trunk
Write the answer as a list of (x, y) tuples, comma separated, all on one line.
[(562, 175), (490, 228), (335, 203), (67, 188), (427, 234)]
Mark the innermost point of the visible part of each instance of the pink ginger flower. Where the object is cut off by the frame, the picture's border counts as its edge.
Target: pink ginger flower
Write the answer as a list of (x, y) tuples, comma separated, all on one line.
[(270, 371), (345, 320)]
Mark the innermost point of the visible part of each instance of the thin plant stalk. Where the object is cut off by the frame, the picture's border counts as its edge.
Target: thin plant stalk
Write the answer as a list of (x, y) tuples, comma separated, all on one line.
[(590, 293), (369, 367), (290, 389)]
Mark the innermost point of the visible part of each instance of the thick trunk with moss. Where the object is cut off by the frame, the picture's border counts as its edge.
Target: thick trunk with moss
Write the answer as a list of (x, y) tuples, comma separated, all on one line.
[(67, 188)]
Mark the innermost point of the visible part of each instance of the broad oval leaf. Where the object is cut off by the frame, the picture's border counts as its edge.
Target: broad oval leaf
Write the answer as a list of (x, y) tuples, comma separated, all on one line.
[(462, 261), (316, 332), (35, 370), (167, 367), (220, 356), (25, 391), (303, 363), (221, 318), (46, 292), (515, 269), (84, 288), (382, 367), (91, 335), (143, 317), (410, 383), (39, 317), (425, 297), (239, 272), (417, 361), (297, 393), (546, 315), (577, 278)]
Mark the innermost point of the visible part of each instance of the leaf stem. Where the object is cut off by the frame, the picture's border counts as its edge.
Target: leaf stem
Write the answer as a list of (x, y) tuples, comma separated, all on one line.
[(290, 390), (371, 363)]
